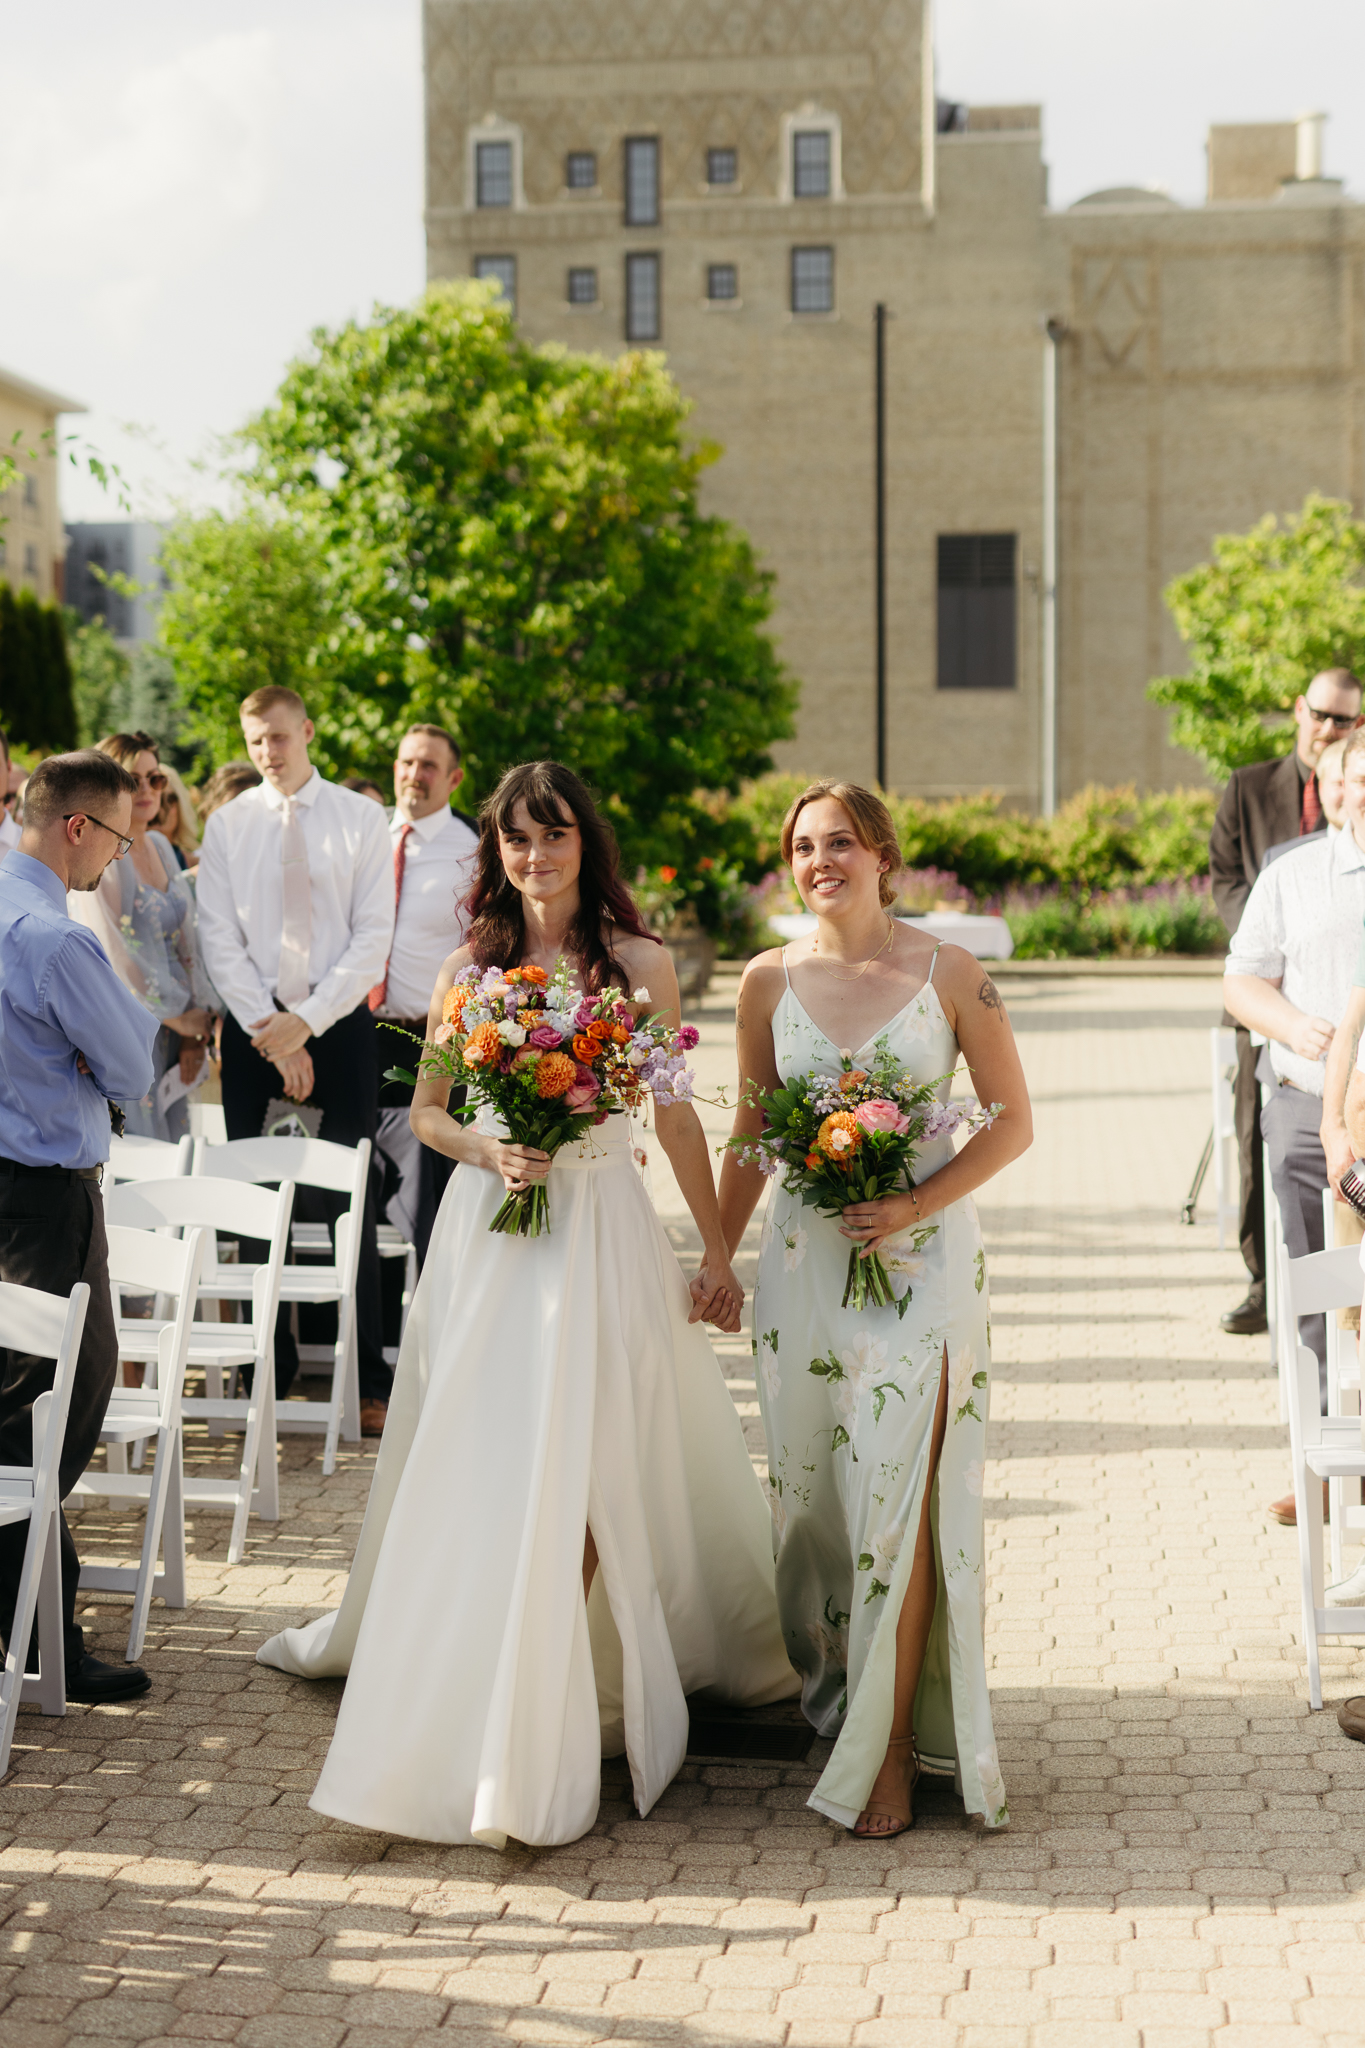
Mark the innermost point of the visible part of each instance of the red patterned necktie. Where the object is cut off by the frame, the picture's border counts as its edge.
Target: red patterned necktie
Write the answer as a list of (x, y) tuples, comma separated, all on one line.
[(375, 999), (1311, 818)]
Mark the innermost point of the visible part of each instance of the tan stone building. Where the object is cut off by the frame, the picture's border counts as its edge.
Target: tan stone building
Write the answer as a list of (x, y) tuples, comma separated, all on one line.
[(32, 538), (742, 183)]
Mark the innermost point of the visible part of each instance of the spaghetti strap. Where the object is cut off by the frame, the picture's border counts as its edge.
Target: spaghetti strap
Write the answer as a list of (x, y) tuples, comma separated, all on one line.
[(933, 964), (785, 969)]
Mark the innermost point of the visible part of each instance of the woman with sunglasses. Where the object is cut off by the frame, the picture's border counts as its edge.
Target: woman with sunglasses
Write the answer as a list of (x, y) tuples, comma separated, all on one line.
[(144, 916)]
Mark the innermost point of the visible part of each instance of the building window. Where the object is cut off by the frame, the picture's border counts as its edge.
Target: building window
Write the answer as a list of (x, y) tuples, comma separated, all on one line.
[(811, 159), (976, 611), (31, 493), (643, 322), (31, 562), (582, 287), (722, 166), (580, 170), (722, 281), (503, 271), (492, 174), (642, 181), (812, 280)]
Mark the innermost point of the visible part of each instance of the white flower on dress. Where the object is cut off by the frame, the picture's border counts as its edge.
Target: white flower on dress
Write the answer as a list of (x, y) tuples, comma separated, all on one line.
[(844, 1395), (973, 1478), (767, 1366), (795, 1249), (960, 1371), (778, 1509), (886, 1548), (832, 1643), (864, 1361), (992, 1784), (919, 1024)]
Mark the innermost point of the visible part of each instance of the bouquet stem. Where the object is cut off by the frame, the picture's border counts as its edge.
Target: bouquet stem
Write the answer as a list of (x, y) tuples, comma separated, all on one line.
[(867, 1280), (525, 1212)]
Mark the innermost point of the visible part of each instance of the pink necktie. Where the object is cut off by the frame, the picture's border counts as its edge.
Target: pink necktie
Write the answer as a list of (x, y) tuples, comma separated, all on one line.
[(375, 998), (296, 933)]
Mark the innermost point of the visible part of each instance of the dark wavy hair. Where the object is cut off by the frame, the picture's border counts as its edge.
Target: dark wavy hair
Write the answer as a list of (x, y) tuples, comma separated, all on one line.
[(497, 930)]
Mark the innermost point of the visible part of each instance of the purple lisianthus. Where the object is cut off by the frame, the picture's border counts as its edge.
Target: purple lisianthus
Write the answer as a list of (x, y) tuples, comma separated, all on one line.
[(545, 1037)]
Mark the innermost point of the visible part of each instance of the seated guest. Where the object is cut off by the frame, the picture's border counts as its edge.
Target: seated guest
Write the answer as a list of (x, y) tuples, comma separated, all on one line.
[(433, 853), (176, 821), (1288, 977), (296, 909), (143, 914)]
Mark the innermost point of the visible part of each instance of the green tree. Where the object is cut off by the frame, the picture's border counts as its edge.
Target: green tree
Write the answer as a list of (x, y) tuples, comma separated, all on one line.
[(36, 704), (99, 669), (1271, 609), (502, 538)]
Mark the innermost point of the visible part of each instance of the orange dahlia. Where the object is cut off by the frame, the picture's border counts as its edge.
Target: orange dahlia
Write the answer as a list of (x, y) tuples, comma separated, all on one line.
[(555, 1074), (483, 1044), (838, 1137), (586, 1049), (452, 1009)]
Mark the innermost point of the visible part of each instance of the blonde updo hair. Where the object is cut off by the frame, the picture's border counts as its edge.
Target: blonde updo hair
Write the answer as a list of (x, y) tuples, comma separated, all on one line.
[(871, 822)]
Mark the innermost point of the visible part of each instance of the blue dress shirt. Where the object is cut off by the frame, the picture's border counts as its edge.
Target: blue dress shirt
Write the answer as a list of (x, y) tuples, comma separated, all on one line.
[(60, 996)]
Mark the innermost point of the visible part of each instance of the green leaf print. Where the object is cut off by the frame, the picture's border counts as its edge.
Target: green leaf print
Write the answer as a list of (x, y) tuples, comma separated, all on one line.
[(980, 1271), (827, 1369), (866, 1561), (879, 1394), (770, 1339), (876, 1591), (835, 1620), (840, 1438)]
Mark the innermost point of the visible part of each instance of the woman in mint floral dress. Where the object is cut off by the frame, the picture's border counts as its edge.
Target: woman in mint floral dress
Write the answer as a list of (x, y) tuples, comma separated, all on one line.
[(876, 1418)]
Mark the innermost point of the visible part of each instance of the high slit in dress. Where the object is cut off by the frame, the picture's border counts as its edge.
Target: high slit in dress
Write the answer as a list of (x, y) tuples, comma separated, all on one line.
[(848, 1400)]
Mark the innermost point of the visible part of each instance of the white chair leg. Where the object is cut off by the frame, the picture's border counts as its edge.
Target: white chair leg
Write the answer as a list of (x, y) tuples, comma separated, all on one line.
[(258, 1445), (1309, 1506), (146, 1571), (173, 1527), (266, 1484), (213, 1387), (1336, 1495)]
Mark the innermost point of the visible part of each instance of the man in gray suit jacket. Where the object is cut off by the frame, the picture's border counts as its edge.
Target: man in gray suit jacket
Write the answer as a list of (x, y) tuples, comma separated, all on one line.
[(1264, 803)]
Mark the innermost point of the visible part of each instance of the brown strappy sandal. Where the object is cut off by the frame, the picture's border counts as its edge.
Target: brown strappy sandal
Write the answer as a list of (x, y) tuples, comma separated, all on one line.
[(907, 1820)]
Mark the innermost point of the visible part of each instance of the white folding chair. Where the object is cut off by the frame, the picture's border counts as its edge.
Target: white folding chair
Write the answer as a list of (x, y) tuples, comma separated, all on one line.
[(49, 1327), (1274, 1242), (222, 1349), (151, 1264), (1322, 1446), (1223, 1051), (393, 1245), (342, 1169), (1343, 1398), (149, 1158)]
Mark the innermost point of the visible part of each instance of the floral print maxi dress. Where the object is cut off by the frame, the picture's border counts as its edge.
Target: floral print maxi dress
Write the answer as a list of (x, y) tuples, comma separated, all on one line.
[(848, 1400)]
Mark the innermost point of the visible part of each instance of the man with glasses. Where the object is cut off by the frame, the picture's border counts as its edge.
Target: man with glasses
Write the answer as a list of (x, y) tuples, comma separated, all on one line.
[(1263, 804), (72, 1041)]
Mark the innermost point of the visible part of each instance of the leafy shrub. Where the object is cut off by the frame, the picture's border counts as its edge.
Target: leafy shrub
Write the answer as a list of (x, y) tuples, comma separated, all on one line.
[(1119, 924)]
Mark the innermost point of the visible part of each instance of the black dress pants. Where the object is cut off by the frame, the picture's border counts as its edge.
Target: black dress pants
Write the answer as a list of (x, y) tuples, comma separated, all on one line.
[(51, 1236), (343, 1089), (1246, 1103)]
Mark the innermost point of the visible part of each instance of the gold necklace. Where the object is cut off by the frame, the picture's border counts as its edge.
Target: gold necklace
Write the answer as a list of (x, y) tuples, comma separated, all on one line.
[(815, 955)]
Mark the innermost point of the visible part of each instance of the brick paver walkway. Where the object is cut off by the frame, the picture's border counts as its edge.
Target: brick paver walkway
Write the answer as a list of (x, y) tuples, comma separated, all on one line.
[(1185, 1866)]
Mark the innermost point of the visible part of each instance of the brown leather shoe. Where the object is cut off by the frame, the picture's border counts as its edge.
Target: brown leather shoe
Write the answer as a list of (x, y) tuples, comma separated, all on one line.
[(373, 1414), (1351, 1718), (1283, 1510)]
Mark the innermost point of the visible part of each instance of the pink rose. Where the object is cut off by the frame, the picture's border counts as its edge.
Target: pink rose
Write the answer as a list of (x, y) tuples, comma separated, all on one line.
[(584, 1015), (443, 1034), (585, 1089), (881, 1115), (545, 1037), (524, 1057)]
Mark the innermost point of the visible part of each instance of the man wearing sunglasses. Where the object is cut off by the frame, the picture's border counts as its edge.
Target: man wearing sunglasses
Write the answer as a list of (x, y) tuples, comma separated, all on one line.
[(1264, 803), (72, 1040)]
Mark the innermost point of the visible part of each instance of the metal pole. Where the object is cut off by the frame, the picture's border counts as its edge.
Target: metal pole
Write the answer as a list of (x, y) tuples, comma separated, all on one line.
[(1052, 333), (879, 333)]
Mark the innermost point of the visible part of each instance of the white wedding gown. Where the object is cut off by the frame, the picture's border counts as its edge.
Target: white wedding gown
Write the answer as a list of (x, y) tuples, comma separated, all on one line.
[(545, 1385)]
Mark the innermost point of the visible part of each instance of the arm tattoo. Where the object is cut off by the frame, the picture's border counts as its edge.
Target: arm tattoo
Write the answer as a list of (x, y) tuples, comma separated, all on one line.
[(989, 994)]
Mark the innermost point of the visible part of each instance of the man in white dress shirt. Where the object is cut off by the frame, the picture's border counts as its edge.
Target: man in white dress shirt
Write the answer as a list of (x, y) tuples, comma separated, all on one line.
[(433, 867), (295, 894)]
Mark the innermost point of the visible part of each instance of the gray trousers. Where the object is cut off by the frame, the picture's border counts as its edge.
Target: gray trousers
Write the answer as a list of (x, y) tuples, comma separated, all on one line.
[(1290, 1121)]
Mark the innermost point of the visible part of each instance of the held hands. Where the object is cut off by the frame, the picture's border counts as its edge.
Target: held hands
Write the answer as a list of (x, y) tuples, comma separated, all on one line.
[(281, 1033), (1310, 1037), (296, 1075), (869, 1224), (717, 1297)]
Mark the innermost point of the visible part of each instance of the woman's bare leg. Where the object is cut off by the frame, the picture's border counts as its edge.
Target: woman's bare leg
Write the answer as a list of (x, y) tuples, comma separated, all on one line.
[(589, 1562), (892, 1785)]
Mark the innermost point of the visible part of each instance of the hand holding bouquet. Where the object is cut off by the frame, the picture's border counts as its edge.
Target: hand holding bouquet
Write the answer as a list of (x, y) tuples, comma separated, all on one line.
[(852, 1138), (551, 1062)]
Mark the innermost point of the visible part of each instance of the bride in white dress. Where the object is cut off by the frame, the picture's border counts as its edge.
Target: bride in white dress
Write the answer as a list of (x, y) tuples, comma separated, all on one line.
[(564, 1535)]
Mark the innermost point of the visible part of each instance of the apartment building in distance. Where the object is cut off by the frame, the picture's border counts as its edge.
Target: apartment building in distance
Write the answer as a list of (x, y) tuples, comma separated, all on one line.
[(1073, 404), (32, 541)]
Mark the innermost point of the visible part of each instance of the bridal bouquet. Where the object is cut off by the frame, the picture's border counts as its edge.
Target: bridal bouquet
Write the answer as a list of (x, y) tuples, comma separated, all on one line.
[(852, 1138), (552, 1063)]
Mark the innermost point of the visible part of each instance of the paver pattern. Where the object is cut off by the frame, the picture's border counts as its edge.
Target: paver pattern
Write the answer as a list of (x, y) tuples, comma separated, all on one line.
[(1185, 1864)]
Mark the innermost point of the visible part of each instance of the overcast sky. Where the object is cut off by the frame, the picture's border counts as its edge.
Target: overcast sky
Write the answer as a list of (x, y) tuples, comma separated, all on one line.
[(187, 189)]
